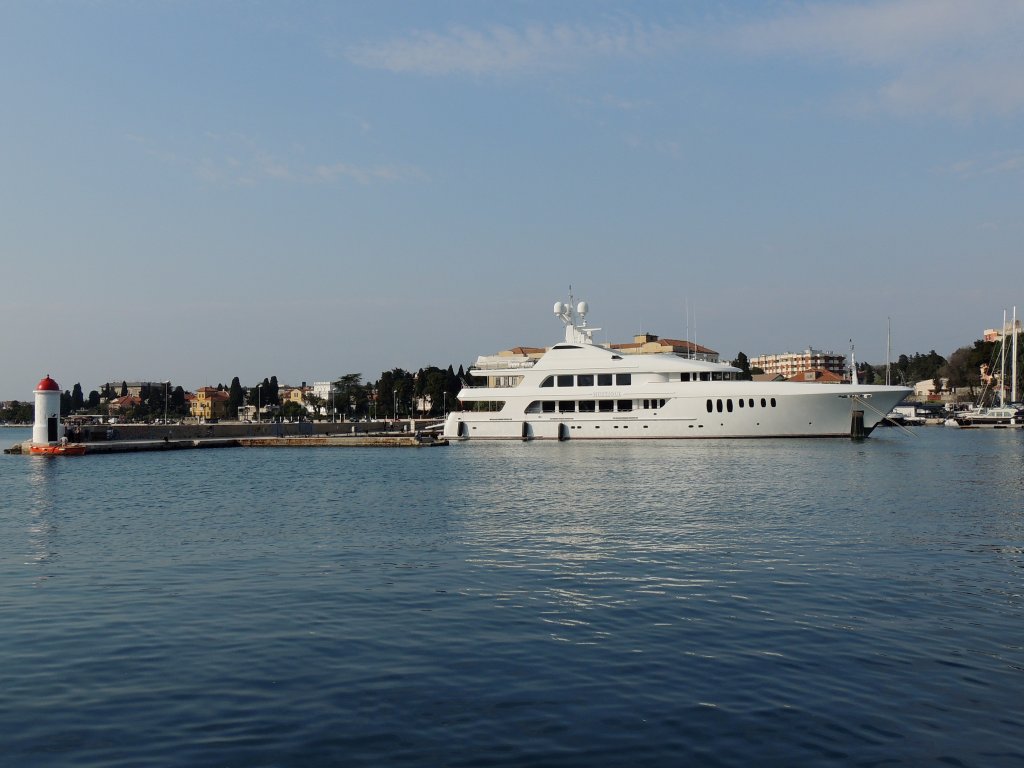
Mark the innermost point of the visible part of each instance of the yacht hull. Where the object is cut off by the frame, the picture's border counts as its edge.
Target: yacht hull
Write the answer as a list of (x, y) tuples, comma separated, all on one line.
[(826, 411)]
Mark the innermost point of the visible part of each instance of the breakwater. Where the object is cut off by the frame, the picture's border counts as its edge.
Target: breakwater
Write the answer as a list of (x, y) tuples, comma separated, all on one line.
[(129, 438)]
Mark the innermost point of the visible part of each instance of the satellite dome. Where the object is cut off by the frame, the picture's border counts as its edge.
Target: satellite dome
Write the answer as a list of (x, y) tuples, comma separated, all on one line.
[(559, 307), (582, 308)]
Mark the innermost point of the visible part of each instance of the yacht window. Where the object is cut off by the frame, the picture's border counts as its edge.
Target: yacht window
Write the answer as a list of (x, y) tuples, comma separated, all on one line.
[(585, 380), (684, 376), (488, 405), (548, 406), (566, 406), (616, 357), (604, 379), (548, 382), (750, 402), (740, 402), (662, 403), (718, 405), (773, 402), (606, 406), (625, 405), (533, 407), (764, 403), (588, 406), (705, 376), (711, 406), (623, 378), (565, 381), (716, 376), (728, 405)]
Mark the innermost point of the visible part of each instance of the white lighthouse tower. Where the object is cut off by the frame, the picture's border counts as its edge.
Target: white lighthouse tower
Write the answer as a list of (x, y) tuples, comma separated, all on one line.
[(47, 429)]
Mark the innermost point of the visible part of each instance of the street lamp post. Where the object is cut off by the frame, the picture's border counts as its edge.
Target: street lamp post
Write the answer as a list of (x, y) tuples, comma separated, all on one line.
[(334, 404), (166, 384), (444, 410), (259, 391)]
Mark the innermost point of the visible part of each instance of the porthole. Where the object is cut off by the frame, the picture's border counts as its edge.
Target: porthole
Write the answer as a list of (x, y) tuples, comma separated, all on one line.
[(728, 405), (764, 403), (773, 402), (711, 407)]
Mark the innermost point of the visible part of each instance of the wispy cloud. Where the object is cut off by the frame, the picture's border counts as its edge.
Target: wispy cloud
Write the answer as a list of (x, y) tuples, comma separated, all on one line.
[(1000, 163), (932, 56), (383, 173), (497, 49), (239, 160), (947, 57)]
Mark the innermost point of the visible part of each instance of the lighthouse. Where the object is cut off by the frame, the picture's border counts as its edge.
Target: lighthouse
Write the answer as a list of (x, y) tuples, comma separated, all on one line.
[(47, 429)]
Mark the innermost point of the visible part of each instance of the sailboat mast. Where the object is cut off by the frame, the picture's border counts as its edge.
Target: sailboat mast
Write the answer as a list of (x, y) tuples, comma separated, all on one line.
[(1002, 363), (1013, 368)]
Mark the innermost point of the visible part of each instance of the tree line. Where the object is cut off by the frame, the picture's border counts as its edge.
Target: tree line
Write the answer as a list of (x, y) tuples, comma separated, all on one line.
[(398, 393)]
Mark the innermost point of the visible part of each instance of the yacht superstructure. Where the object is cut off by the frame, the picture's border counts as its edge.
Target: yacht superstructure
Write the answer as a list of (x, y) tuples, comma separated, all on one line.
[(581, 390)]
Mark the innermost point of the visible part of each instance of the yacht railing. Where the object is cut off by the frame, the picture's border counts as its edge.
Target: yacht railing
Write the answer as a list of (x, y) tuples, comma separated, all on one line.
[(496, 365)]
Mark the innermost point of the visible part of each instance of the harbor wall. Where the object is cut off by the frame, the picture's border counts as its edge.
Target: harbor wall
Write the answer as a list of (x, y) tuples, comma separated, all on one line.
[(232, 430)]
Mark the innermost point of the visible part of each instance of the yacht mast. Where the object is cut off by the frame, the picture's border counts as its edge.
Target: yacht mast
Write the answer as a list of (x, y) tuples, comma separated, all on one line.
[(888, 350)]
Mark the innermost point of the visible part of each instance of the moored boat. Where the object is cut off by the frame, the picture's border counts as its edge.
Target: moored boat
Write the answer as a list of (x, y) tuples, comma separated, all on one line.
[(989, 417), (71, 449), (578, 389)]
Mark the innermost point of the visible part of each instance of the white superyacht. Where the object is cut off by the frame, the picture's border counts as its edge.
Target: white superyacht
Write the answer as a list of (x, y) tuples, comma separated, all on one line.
[(579, 390)]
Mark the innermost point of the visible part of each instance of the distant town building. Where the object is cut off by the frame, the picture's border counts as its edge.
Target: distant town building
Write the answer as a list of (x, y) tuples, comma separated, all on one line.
[(993, 334), (789, 364), (135, 388), (323, 389), (294, 394), (208, 403), (817, 376), (122, 404)]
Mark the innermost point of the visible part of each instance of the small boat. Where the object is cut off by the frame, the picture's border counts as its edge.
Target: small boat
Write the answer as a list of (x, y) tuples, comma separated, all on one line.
[(73, 449), (976, 417)]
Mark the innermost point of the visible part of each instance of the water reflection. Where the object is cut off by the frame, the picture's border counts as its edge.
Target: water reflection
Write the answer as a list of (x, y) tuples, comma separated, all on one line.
[(43, 478)]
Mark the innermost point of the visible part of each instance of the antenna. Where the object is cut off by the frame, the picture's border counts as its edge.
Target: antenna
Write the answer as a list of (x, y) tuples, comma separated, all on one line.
[(888, 350)]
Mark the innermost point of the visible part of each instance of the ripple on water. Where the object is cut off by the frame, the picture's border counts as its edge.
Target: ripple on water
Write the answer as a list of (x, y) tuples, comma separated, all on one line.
[(716, 604)]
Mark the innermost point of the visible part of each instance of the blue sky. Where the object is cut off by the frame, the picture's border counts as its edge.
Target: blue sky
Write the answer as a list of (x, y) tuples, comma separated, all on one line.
[(199, 190)]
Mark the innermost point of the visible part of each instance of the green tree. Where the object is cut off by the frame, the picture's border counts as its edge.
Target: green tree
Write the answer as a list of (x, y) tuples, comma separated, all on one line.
[(236, 398), (124, 389), (179, 406), (349, 394), (292, 410), (743, 363), (77, 398), (94, 399)]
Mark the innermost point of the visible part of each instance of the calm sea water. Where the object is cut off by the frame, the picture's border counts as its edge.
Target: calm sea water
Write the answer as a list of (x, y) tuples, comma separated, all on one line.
[(578, 604)]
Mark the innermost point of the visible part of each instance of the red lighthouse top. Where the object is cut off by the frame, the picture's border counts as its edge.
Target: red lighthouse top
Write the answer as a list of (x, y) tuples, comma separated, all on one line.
[(47, 385)]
